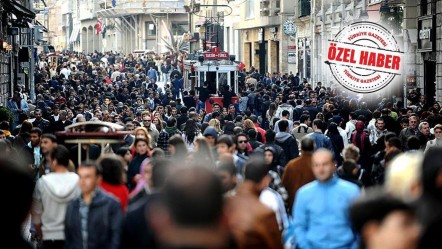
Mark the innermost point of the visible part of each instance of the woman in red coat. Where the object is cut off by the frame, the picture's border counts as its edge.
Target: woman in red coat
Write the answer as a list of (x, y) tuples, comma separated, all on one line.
[(113, 181)]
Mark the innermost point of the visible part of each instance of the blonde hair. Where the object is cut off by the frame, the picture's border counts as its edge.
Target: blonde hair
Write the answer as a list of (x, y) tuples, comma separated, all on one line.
[(146, 134), (248, 124), (215, 123), (351, 152), (403, 176)]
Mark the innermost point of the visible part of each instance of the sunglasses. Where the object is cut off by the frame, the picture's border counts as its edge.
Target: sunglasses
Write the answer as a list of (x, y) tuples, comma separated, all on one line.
[(242, 141), (147, 120)]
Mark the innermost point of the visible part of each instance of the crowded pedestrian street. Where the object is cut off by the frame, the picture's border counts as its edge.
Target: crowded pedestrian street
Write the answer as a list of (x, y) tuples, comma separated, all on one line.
[(233, 124)]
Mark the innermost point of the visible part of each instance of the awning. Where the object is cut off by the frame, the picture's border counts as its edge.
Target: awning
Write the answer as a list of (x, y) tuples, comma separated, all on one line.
[(18, 9), (44, 29), (74, 34)]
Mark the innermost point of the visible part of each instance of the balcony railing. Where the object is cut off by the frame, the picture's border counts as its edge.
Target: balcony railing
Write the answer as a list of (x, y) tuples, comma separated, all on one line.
[(304, 8)]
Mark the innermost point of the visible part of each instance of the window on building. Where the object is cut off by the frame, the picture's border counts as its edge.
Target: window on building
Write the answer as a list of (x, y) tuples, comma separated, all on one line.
[(304, 8), (424, 7), (151, 29), (250, 9), (179, 28)]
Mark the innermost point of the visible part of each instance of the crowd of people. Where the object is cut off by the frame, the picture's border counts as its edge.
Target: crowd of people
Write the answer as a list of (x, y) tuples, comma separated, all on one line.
[(291, 164)]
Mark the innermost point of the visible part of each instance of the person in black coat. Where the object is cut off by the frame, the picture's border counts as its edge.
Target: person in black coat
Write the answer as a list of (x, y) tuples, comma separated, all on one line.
[(136, 231), (104, 215)]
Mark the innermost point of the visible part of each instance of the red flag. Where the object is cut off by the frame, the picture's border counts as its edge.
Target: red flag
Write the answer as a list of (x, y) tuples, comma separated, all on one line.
[(98, 26)]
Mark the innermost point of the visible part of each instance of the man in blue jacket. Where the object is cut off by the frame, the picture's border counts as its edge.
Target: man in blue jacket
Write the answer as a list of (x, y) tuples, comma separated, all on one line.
[(94, 219), (320, 211)]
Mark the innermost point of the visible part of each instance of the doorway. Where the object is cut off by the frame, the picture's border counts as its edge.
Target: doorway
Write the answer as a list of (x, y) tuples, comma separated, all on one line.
[(429, 80)]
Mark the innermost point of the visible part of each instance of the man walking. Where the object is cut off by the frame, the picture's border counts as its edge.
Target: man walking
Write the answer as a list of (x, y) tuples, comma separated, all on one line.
[(320, 211), (52, 194), (93, 220)]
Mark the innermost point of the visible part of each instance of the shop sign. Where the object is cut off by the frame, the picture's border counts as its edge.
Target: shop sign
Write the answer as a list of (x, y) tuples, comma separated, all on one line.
[(426, 35), (216, 54)]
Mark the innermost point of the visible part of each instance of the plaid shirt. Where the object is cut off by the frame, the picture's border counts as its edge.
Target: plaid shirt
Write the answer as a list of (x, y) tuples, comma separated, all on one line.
[(163, 141), (276, 184)]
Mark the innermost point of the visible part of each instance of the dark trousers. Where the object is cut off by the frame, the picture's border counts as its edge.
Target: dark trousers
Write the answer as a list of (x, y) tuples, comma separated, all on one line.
[(52, 244)]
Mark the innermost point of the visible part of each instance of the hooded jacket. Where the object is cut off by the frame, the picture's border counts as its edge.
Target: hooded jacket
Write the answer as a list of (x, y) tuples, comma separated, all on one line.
[(288, 144), (52, 194)]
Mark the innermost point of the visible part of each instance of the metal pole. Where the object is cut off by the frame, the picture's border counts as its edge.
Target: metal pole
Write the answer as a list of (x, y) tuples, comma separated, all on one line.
[(32, 63)]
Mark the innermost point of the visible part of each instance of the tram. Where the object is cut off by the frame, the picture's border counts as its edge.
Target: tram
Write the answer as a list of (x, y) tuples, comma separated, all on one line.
[(217, 68)]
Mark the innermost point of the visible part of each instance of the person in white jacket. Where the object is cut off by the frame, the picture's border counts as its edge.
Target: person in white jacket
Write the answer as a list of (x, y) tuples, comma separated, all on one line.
[(52, 194)]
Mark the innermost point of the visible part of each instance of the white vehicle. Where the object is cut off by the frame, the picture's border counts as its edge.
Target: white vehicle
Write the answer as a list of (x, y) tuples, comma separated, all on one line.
[(143, 52)]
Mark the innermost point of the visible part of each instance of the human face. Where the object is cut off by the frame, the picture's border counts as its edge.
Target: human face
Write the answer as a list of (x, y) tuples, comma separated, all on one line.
[(228, 181), (232, 109), (380, 125), (268, 157), (242, 143), (323, 166), (141, 148), (171, 149), (35, 139), (413, 123), (148, 174), (3, 136), (147, 121), (37, 115), (47, 145), (425, 129), (89, 179), (399, 228), (404, 125), (216, 108), (174, 112), (155, 121), (438, 133), (211, 140), (222, 149), (127, 157)]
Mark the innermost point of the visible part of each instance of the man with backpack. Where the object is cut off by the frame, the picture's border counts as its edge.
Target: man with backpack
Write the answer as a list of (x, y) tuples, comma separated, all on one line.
[(304, 127)]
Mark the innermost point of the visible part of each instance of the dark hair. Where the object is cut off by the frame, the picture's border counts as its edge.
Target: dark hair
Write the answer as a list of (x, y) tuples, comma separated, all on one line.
[(161, 169), (91, 164), (49, 136), (285, 113), (141, 139), (122, 151), (229, 128), (36, 130), (375, 206), (307, 144), (389, 135), (158, 153), (226, 164), (171, 122), (225, 139), (179, 144), (431, 170), (270, 135), (15, 173), (283, 125), (394, 141), (112, 169), (190, 131), (413, 143), (255, 170), (194, 203), (349, 165), (61, 154), (303, 118), (4, 125), (252, 133), (318, 123)]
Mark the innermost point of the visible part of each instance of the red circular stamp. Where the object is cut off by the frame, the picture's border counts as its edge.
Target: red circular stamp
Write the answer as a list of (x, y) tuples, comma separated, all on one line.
[(364, 57)]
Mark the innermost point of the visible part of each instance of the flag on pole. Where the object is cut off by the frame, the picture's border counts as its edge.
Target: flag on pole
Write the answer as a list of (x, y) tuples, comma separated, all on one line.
[(98, 26)]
